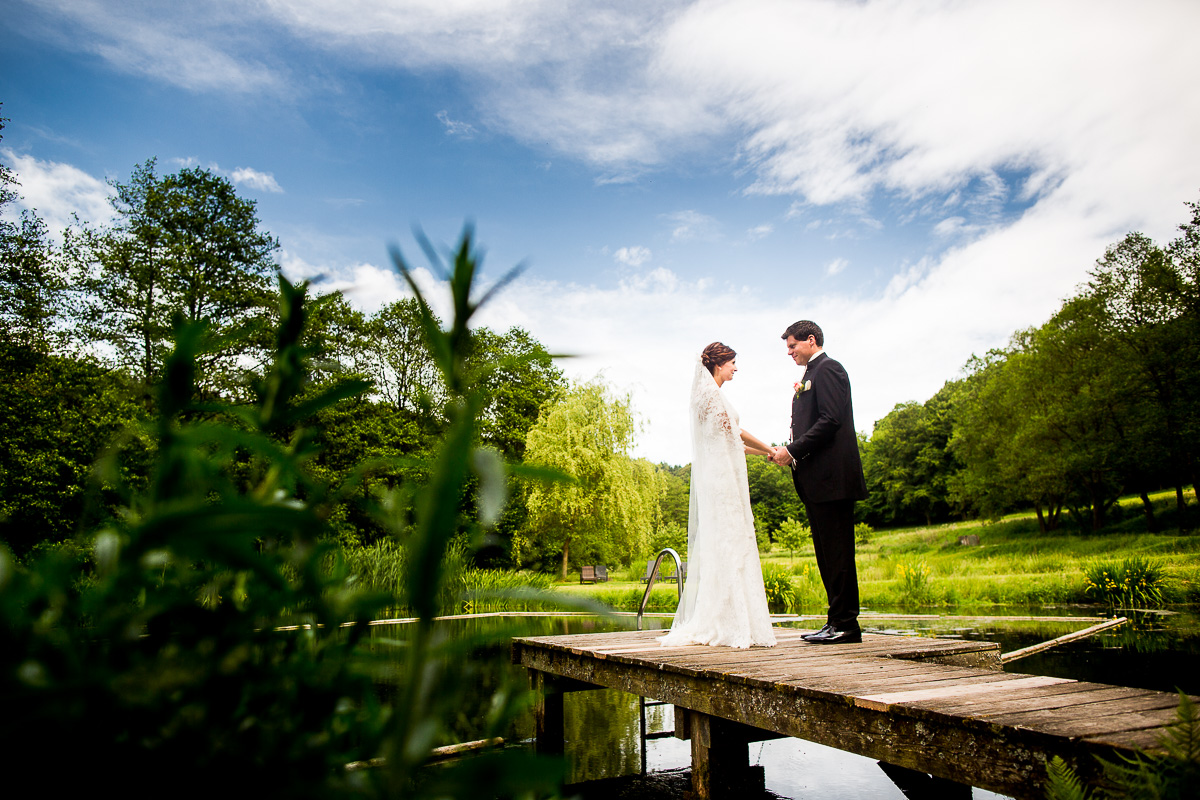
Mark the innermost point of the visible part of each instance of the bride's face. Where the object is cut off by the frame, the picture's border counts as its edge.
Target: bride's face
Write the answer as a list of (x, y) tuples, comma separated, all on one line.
[(724, 372)]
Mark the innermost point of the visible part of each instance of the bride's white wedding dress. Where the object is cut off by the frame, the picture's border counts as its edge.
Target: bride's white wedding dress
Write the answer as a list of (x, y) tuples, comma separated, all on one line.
[(723, 599)]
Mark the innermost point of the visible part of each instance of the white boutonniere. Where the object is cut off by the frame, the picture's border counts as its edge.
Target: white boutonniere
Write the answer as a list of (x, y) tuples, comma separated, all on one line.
[(801, 388)]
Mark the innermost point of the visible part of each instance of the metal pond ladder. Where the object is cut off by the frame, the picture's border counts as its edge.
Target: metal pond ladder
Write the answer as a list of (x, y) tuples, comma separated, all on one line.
[(644, 703)]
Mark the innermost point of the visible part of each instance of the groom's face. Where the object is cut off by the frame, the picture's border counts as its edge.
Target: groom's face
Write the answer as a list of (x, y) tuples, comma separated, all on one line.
[(801, 350)]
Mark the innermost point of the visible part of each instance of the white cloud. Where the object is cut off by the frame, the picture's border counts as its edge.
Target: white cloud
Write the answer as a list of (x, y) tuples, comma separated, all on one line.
[(836, 266), (633, 256), (263, 181), (58, 191)]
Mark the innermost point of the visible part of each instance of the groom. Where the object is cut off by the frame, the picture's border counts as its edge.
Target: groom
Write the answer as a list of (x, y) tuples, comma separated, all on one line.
[(828, 474)]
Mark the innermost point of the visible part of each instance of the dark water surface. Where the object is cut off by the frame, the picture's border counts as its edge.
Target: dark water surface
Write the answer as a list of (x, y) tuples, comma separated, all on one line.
[(1155, 651)]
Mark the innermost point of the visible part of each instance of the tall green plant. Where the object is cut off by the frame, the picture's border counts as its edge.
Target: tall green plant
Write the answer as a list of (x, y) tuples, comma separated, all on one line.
[(214, 649)]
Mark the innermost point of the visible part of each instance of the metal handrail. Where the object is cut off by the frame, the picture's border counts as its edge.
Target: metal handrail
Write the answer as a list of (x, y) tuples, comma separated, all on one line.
[(654, 575)]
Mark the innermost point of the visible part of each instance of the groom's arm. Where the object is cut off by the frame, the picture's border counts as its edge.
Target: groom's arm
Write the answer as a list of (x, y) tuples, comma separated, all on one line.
[(832, 393)]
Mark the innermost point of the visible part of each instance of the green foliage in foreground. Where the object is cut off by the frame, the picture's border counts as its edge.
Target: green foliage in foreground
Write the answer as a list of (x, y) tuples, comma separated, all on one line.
[(1171, 772), (220, 645)]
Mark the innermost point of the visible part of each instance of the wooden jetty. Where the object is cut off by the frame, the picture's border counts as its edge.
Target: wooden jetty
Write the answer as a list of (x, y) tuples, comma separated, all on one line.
[(938, 706)]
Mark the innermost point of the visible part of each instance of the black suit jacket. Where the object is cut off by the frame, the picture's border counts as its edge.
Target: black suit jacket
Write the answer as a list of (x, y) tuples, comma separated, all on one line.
[(824, 443)]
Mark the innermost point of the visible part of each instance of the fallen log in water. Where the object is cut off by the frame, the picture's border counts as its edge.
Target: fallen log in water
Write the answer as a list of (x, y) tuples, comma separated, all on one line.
[(1070, 637)]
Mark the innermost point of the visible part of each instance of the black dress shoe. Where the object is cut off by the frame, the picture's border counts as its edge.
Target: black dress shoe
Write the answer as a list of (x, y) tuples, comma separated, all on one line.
[(836, 636), (808, 637)]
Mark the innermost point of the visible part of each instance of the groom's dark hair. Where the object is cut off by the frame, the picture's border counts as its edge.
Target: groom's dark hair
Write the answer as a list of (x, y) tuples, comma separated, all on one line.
[(804, 329)]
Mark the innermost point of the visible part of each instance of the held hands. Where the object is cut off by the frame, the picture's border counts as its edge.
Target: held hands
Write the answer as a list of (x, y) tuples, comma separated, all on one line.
[(781, 456)]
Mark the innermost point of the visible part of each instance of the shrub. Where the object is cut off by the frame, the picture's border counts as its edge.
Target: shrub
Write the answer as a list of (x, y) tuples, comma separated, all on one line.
[(1134, 582), (863, 532)]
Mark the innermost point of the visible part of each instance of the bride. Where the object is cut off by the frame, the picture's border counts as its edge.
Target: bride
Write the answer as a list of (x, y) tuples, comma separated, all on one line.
[(723, 599)]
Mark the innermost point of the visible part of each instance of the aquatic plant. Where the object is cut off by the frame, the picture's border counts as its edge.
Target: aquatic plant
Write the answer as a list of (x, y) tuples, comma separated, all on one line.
[(915, 582), (781, 595), (1135, 582)]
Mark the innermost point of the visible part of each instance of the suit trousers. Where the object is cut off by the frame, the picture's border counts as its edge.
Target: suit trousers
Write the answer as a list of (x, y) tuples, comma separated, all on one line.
[(832, 526)]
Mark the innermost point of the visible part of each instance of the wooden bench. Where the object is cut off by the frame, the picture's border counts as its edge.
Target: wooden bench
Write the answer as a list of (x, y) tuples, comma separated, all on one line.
[(593, 574)]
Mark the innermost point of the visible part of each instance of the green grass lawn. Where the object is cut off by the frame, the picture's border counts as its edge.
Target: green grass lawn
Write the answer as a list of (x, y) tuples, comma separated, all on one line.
[(1014, 564)]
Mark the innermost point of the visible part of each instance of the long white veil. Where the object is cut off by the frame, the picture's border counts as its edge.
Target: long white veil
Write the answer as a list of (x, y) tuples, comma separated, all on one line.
[(715, 438)]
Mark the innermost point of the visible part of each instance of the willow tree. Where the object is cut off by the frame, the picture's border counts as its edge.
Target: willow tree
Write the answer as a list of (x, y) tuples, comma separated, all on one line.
[(604, 513)]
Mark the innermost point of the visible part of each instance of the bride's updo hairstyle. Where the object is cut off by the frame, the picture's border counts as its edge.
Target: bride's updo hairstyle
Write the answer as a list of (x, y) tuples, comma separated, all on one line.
[(715, 355)]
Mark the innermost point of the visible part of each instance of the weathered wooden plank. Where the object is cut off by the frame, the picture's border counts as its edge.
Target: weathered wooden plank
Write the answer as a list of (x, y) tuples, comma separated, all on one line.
[(972, 686), (926, 679), (1097, 726), (867, 668), (1037, 698), (1151, 701), (1148, 739)]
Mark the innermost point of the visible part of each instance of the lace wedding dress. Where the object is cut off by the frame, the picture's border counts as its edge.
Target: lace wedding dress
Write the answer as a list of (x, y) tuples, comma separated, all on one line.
[(723, 599)]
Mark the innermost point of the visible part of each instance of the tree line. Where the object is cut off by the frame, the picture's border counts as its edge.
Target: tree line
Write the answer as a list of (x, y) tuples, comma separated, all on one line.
[(87, 319), (1101, 400)]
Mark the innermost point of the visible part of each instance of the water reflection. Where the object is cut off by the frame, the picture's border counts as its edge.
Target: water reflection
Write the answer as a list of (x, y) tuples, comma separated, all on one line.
[(1159, 651)]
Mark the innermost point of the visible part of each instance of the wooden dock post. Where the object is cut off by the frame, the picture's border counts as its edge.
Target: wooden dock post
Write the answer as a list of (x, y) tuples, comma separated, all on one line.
[(548, 710), (720, 753)]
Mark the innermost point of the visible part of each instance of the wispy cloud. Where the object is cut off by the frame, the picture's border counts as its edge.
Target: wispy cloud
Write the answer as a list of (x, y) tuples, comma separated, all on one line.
[(462, 130), (836, 266), (760, 231), (690, 224), (202, 46)]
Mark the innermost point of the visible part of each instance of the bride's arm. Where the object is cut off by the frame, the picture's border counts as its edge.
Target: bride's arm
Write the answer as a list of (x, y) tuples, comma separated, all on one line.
[(754, 445)]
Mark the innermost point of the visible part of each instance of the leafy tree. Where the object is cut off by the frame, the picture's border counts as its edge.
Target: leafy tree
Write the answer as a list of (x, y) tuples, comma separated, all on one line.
[(1050, 423), (792, 535), (33, 280), (673, 506), (57, 415), (185, 246), (606, 510), (398, 362), (909, 463), (1005, 462), (518, 377), (1184, 254), (1142, 308)]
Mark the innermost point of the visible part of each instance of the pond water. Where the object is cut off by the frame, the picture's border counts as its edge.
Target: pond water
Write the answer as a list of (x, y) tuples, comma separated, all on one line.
[(1155, 650)]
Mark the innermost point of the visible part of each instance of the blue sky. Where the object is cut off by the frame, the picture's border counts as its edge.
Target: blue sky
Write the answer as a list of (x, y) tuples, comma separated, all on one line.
[(921, 178)]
